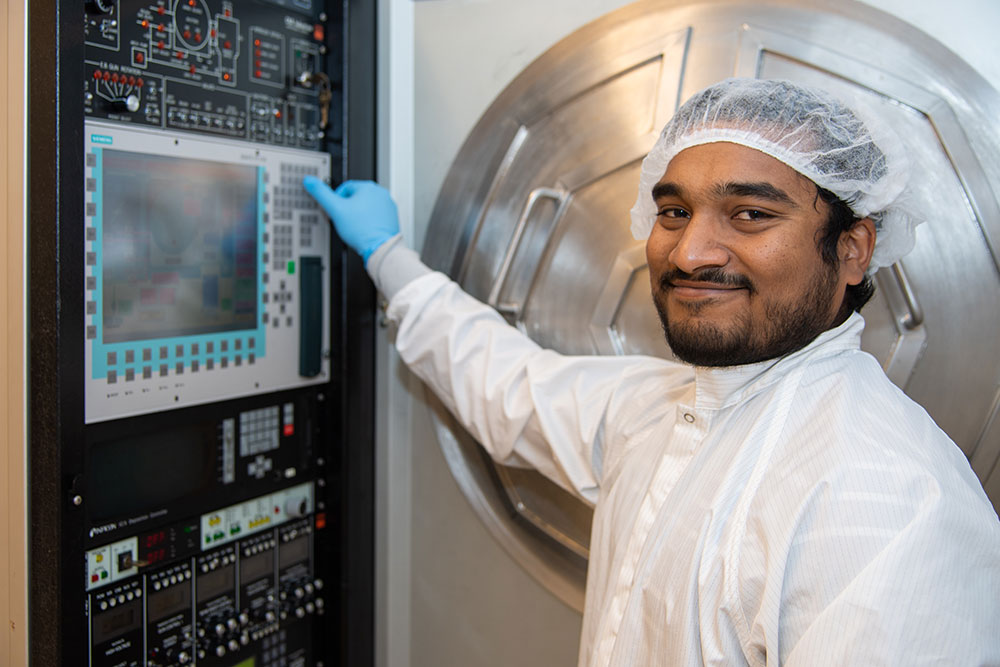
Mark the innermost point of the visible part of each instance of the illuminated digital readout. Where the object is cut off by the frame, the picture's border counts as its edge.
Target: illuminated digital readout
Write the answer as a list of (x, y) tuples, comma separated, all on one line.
[(179, 247)]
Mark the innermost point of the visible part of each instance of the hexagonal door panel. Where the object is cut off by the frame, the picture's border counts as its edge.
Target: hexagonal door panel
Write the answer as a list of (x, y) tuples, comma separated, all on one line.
[(534, 219)]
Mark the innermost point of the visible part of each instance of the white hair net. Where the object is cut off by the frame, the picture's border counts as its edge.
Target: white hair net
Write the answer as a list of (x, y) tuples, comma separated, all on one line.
[(846, 150)]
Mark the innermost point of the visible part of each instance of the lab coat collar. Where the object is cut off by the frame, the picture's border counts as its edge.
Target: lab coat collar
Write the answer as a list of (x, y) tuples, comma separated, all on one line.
[(722, 387)]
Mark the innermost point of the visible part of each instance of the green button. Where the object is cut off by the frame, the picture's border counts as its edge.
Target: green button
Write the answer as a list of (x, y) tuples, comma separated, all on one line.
[(291, 266)]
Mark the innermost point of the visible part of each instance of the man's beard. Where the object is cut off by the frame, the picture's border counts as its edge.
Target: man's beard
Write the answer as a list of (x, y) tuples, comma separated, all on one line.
[(787, 327)]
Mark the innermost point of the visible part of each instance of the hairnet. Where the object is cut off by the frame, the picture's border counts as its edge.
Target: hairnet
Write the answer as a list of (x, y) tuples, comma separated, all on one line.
[(846, 150)]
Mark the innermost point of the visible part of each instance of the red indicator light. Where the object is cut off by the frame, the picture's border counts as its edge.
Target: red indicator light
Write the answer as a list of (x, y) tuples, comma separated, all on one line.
[(139, 82), (93, 578), (321, 521), (144, 24), (187, 34), (289, 430), (97, 74), (277, 510), (257, 74), (277, 113), (114, 78), (226, 77), (212, 32), (197, 37), (139, 58), (180, 54), (190, 3), (160, 9), (256, 42), (227, 44), (107, 76), (318, 33), (131, 81), (191, 69), (256, 63), (256, 53), (159, 28), (160, 44), (228, 12)]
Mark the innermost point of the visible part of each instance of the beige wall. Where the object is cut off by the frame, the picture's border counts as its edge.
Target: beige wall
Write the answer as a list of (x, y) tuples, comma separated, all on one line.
[(13, 504)]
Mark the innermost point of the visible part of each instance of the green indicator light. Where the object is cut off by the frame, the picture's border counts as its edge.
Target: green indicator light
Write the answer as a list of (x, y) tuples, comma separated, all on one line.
[(291, 266), (188, 529)]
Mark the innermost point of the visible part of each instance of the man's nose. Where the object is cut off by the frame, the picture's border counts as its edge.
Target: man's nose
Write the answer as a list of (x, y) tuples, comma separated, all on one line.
[(699, 245)]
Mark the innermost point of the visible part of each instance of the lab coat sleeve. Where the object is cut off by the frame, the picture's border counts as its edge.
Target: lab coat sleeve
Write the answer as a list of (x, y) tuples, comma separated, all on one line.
[(524, 404)]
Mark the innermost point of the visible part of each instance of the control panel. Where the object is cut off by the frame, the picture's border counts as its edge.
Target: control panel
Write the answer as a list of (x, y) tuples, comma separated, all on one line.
[(176, 574), (206, 465), (241, 70), (206, 270)]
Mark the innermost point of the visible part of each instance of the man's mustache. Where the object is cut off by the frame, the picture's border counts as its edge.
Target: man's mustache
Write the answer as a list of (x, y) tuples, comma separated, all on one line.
[(711, 277)]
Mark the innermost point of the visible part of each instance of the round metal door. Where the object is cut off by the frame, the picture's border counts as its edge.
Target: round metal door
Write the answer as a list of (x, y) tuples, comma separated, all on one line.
[(533, 219)]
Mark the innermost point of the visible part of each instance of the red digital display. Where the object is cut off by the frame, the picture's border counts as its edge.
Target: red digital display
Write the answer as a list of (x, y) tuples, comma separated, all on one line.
[(153, 547)]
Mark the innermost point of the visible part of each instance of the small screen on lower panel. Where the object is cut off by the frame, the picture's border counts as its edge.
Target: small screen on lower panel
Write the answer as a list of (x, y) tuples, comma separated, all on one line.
[(179, 246), (215, 583), (292, 552), (255, 567), (169, 601), (117, 621)]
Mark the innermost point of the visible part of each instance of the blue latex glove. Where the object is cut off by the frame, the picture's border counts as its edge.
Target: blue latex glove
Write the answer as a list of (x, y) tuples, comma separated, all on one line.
[(363, 212)]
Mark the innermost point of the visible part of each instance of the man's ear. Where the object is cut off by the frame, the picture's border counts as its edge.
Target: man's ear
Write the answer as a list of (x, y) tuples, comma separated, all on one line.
[(855, 250)]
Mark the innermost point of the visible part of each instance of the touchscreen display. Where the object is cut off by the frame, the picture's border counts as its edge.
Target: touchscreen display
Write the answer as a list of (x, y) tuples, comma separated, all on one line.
[(179, 244)]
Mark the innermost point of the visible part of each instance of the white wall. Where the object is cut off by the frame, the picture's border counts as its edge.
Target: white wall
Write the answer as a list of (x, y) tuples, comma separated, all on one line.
[(449, 595)]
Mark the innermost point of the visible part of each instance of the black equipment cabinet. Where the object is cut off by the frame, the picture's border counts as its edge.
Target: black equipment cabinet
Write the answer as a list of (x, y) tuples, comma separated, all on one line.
[(198, 493)]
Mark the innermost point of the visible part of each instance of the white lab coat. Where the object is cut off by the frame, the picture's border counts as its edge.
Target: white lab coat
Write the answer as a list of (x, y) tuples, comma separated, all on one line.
[(801, 511)]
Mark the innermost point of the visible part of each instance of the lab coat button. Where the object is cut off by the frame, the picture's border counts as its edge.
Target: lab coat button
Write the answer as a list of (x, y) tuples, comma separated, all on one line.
[(688, 417)]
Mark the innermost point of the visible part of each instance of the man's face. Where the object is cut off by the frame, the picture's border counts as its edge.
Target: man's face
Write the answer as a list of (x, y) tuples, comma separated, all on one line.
[(733, 259)]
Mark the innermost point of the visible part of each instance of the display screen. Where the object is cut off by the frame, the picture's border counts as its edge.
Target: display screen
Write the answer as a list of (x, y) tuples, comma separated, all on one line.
[(295, 551), (168, 602), (148, 471), (215, 583), (179, 246), (255, 567), (116, 622)]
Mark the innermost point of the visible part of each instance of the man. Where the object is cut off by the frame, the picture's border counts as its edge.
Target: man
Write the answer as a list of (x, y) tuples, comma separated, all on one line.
[(775, 500)]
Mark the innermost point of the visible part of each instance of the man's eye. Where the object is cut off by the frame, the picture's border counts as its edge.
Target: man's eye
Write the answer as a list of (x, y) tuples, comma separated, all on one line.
[(672, 212), (753, 214)]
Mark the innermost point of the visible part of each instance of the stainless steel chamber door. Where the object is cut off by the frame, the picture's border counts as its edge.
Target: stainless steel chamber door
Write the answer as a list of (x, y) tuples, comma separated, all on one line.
[(533, 218)]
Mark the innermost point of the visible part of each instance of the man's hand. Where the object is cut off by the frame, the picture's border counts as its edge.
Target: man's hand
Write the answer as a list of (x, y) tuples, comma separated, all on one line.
[(363, 212)]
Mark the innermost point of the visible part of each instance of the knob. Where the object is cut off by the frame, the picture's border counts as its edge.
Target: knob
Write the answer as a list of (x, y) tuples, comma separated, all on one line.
[(300, 612), (220, 629), (309, 589), (244, 639), (129, 104), (270, 617), (244, 618), (234, 645), (299, 593), (220, 650), (232, 624), (296, 507), (310, 607), (183, 658), (319, 603), (101, 6)]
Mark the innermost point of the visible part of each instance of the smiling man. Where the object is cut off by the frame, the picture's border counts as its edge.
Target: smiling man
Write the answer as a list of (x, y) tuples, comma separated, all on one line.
[(774, 499)]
